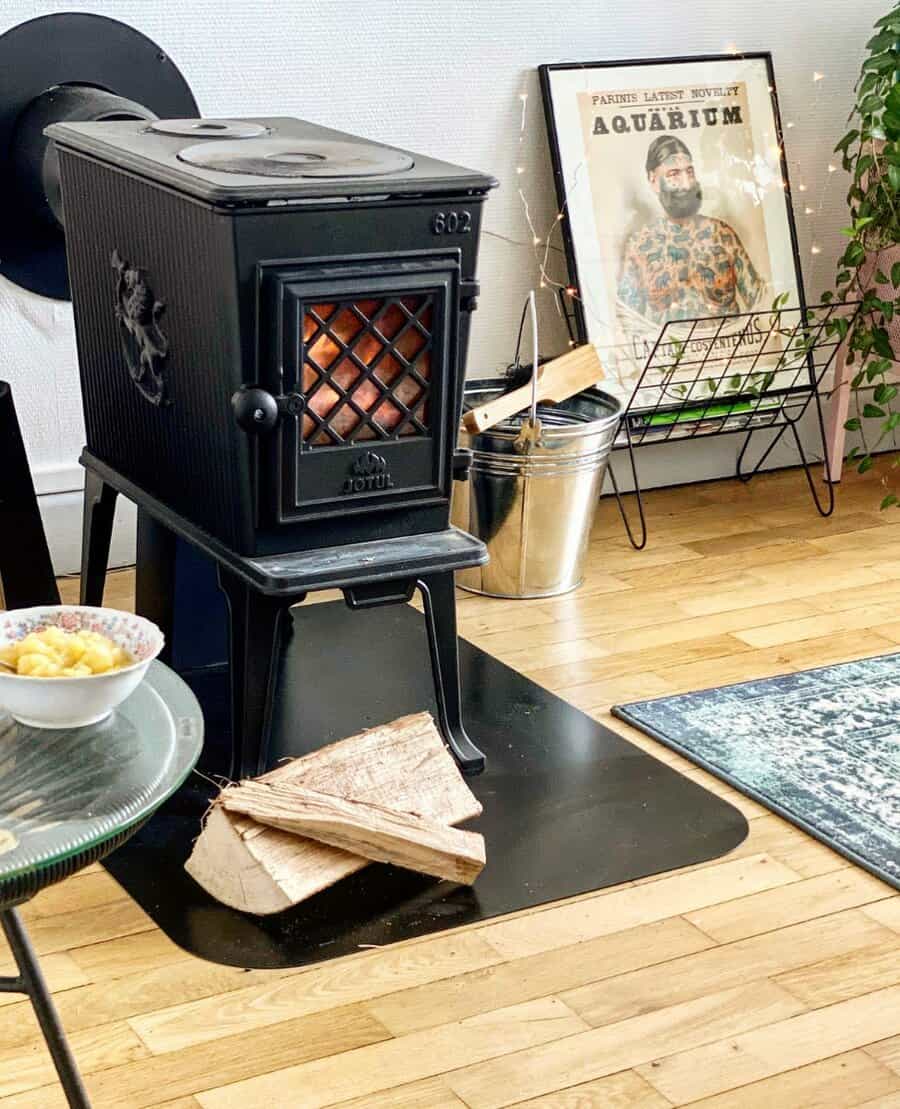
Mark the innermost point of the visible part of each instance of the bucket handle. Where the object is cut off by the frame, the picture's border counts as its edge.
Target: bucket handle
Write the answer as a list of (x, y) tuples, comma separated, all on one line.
[(530, 432)]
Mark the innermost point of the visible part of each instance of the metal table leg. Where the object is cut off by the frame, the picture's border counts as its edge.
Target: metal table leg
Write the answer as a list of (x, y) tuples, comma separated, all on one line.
[(31, 982)]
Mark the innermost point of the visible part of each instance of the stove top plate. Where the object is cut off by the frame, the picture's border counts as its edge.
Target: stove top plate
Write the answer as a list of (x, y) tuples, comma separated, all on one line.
[(270, 157), (291, 159)]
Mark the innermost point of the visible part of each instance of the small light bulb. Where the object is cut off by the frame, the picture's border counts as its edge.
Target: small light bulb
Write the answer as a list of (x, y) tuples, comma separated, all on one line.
[(559, 216), (789, 124), (520, 169), (818, 76), (816, 249), (808, 210), (832, 168), (571, 342), (536, 241), (543, 284), (802, 188), (571, 290), (523, 96)]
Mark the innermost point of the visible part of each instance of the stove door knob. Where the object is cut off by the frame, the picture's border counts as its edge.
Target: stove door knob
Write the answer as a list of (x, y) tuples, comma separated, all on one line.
[(255, 410)]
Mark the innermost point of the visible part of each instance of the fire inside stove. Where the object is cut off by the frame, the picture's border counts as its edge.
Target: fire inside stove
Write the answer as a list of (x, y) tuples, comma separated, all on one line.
[(367, 369)]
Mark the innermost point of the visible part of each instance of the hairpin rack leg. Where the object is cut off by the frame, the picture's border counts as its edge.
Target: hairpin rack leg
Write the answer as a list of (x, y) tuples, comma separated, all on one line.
[(747, 475), (824, 509), (638, 544), (828, 508)]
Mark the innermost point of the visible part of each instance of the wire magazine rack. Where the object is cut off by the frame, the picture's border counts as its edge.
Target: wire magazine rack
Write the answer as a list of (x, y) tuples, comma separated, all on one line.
[(728, 375)]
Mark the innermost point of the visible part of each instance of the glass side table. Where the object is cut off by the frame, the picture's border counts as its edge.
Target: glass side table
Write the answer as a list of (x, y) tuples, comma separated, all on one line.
[(69, 798)]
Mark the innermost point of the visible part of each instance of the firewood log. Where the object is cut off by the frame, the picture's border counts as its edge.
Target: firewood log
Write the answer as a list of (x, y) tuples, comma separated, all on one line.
[(260, 870), (381, 834)]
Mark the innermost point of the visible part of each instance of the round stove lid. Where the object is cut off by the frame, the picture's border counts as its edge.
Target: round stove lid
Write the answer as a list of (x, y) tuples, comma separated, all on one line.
[(209, 128), (297, 158)]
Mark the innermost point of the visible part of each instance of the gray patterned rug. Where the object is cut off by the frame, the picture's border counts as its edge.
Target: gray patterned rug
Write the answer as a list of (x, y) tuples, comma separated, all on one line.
[(821, 747)]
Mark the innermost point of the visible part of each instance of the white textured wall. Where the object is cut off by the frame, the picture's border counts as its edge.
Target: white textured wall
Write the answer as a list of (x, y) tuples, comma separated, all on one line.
[(444, 77)]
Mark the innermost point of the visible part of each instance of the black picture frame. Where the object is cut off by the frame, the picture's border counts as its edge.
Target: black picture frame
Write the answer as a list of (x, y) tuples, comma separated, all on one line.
[(578, 318)]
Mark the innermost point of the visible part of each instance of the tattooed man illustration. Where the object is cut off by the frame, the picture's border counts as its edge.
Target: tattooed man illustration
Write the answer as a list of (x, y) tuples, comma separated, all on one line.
[(684, 264)]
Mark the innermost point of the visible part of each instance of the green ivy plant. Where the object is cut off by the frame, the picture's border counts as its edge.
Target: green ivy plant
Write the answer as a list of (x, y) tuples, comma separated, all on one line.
[(870, 153)]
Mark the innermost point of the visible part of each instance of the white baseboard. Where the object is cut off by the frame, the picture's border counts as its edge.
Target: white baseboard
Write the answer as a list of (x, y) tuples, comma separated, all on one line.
[(61, 513), (57, 478), (60, 487)]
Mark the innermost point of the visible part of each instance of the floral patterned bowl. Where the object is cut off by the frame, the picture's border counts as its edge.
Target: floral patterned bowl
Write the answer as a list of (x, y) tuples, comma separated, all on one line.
[(75, 702)]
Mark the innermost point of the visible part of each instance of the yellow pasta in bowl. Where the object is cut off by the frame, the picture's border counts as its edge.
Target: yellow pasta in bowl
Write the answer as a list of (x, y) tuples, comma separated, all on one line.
[(99, 655), (56, 653)]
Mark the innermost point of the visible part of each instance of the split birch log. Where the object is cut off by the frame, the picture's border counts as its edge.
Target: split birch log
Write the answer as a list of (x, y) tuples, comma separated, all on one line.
[(373, 831), (261, 870), (558, 380)]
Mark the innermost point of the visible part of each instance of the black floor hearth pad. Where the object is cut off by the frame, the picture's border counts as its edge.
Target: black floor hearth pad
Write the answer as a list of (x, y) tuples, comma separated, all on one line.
[(569, 806)]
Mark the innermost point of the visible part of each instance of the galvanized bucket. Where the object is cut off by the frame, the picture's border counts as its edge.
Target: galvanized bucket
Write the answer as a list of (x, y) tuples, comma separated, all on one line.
[(532, 492)]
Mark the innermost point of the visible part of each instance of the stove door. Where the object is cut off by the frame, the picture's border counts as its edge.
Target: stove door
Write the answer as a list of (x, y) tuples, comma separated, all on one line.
[(368, 350)]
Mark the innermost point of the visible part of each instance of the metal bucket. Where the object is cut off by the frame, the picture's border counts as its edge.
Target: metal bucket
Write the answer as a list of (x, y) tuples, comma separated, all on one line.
[(532, 499)]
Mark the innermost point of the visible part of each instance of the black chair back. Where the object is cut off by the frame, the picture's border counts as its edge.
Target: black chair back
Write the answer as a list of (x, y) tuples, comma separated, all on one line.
[(26, 572)]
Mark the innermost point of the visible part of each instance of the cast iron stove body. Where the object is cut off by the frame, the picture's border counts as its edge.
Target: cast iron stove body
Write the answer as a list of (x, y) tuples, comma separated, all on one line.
[(272, 321)]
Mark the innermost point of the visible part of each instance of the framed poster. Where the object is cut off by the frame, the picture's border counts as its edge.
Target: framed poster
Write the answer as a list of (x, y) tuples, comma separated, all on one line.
[(672, 183)]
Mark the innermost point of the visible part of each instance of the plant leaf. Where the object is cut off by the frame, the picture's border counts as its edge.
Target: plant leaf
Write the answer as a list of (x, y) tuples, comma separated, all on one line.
[(845, 142), (855, 254), (881, 342)]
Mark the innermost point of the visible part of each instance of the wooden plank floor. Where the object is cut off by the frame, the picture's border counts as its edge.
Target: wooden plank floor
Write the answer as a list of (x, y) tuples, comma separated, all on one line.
[(770, 977)]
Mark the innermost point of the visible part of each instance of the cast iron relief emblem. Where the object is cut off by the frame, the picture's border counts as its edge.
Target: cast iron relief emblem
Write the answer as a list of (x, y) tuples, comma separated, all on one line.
[(368, 474), (143, 344)]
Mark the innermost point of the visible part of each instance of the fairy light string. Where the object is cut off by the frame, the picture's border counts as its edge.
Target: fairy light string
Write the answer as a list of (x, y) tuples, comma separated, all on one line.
[(813, 209), (541, 243), (546, 245)]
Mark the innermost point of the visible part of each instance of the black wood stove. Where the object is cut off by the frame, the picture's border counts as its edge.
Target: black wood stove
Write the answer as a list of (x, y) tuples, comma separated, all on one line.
[(272, 322)]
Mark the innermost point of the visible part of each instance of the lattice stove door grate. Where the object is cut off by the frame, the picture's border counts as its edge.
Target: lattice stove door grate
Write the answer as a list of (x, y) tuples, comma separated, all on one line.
[(366, 369)]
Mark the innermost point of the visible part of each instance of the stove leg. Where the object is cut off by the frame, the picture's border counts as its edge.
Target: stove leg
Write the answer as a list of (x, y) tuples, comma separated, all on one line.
[(31, 982), (256, 625), (154, 579), (96, 535), (439, 598)]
